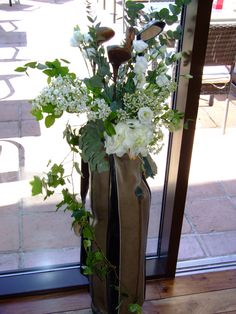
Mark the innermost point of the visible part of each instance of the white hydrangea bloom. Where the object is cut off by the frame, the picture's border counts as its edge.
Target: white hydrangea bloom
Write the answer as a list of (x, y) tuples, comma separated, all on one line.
[(116, 144), (139, 45), (131, 138)]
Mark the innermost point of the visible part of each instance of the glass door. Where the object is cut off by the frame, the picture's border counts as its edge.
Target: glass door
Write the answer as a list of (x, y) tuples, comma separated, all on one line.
[(39, 251)]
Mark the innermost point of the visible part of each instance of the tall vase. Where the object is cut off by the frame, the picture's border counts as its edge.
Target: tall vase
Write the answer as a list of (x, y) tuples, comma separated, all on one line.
[(120, 201)]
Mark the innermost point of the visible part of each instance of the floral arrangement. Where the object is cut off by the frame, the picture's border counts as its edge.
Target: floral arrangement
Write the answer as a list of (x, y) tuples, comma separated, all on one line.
[(126, 102)]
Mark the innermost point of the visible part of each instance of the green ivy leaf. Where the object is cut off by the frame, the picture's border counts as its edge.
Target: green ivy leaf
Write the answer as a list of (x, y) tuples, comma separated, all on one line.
[(32, 64), (87, 244), (135, 308), (21, 69), (37, 113), (37, 186), (49, 121), (88, 233)]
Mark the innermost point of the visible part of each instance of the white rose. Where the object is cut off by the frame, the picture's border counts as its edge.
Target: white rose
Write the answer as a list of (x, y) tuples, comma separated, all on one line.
[(139, 80), (116, 144), (145, 115), (139, 45), (140, 65), (76, 39), (162, 80)]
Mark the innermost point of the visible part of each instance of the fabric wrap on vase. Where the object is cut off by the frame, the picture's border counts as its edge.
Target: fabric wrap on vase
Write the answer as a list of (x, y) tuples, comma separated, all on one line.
[(120, 201)]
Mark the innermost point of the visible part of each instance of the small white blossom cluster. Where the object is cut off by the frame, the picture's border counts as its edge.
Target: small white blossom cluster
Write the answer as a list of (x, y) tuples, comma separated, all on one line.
[(98, 109), (133, 136), (141, 98), (63, 94)]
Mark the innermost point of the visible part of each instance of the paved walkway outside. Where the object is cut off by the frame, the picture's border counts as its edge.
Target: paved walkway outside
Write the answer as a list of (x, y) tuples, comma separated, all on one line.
[(31, 233)]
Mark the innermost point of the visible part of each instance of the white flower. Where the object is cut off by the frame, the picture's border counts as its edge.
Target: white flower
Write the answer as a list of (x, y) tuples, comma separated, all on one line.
[(131, 138), (77, 38), (139, 45), (99, 109), (162, 80), (140, 65), (142, 135), (145, 115), (139, 81), (116, 144), (140, 70)]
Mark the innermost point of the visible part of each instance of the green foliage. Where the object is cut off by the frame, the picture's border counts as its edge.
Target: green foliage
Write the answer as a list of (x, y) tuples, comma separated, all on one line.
[(37, 186), (135, 308), (150, 167), (50, 68), (132, 10), (92, 147)]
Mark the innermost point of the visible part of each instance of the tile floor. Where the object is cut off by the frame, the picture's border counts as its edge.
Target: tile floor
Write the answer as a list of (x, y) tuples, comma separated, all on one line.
[(31, 233)]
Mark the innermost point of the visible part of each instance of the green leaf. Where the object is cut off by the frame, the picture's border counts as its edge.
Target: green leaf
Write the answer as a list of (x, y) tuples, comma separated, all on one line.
[(87, 244), (164, 13), (98, 256), (77, 168), (31, 64), (90, 19), (149, 166), (88, 233), (49, 121), (37, 186), (171, 19), (135, 308), (174, 9), (66, 61), (109, 128), (21, 69), (134, 6), (37, 113), (94, 82), (50, 72)]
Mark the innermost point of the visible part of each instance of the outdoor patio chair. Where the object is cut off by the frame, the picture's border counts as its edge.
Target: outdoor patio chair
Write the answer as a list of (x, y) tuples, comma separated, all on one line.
[(219, 61), (232, 94)]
